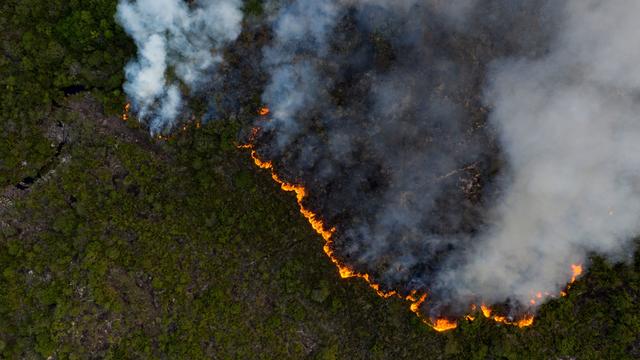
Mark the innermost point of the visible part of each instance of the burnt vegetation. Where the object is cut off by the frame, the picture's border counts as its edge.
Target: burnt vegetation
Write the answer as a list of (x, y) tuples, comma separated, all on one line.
[(114, 245)]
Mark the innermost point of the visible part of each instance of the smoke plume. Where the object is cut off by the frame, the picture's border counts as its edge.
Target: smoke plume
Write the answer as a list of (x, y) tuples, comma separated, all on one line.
[(568, 124), (179, 47), (472, 150)]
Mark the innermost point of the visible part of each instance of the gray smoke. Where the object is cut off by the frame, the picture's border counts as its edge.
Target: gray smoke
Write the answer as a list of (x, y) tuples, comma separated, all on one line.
[(179, 47), (470, 149)]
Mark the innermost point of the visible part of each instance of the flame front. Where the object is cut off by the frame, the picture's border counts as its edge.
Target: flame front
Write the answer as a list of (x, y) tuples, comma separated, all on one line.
[(125, 112), (527, 320), (486, 311), (438, 324), (577, 271), (327, 234), (444, 325), (316, 223)]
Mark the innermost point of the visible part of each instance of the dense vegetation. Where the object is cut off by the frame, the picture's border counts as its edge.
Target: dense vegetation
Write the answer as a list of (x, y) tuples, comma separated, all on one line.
[(126, 247)]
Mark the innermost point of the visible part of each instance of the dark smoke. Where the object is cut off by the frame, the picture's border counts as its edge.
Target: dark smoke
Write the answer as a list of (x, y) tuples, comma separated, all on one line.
[(469, 149)]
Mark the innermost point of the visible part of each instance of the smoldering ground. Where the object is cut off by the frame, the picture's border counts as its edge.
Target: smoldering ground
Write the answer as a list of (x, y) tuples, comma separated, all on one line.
[(472, 150)]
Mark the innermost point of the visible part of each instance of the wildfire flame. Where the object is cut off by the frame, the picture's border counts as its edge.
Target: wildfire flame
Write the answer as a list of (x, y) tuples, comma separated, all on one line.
[(486, 311), (438, 324), (264, 111), (577, 271), (527, 320), (316, 223), (327, 234), (125, 112), (444, 325)]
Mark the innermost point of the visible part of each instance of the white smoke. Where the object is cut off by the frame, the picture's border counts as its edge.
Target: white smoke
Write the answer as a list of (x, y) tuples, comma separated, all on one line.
[(179, 46), (295, 83), (570, 126), (567, 122)]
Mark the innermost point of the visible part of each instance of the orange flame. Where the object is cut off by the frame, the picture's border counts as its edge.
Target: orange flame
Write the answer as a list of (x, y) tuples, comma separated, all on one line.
[(444, 325), (327, 233), (264, 111), (415, 306), (316, 223), (439, 324), (125, 112), (577, 271), (527, 320)]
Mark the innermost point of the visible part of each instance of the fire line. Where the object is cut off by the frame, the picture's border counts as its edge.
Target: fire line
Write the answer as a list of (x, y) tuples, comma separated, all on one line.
[(125, 112), (438, 324)]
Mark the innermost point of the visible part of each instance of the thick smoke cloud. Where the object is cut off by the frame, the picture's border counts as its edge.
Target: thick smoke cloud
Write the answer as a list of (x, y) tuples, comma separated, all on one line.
[(179, 46), (569, 125), (469, 149), (473, 150)]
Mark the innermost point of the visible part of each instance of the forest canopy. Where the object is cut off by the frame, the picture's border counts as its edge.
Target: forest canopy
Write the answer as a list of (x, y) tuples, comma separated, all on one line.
[(117, 245)]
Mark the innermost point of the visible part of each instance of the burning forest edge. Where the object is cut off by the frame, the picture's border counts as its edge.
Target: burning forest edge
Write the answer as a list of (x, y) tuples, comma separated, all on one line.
[(118, 244), (431, 168), (416, 299)]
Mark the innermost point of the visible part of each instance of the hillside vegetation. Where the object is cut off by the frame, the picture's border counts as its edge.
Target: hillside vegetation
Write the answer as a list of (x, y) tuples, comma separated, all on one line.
[(115, 245)]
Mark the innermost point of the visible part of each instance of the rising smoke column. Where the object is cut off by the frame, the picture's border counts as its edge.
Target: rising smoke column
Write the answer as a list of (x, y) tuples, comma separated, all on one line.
[(178, 48), (493, 148), (471, 150)]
